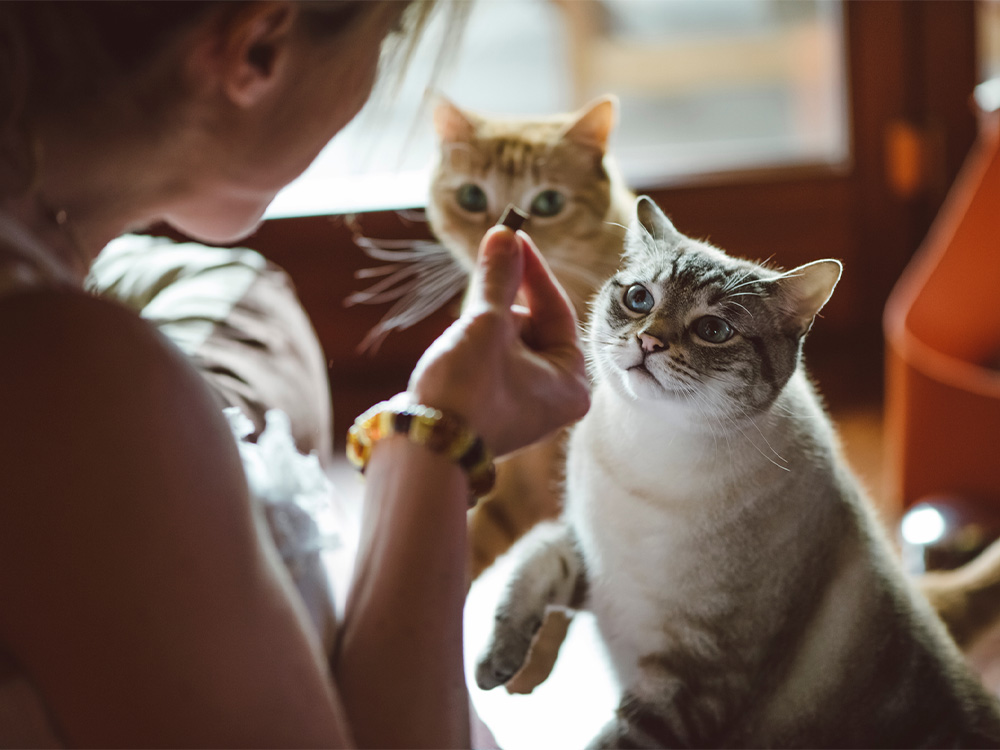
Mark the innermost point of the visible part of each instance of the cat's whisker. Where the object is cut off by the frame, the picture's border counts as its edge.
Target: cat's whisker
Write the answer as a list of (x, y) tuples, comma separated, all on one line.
[(419, 276), (702, 404), (642, 234), (758, 449), (405, 250), (736, 281), (749, 418), (785, 411), (377, 293), (375, 271), (741, 285), (768, 444), (741, 306), (414, 216), (427, 282)]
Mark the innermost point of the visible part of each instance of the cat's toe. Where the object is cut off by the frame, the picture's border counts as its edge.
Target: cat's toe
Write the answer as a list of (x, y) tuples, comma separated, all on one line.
[(496, 667), (489, 674)]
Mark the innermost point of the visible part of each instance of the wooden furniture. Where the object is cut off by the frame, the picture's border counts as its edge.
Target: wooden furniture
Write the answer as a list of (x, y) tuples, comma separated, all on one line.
[(942, 328)]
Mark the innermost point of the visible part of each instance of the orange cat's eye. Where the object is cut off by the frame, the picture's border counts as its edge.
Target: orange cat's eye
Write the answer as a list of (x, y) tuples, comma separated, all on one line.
[(548, 203), (471, 197)]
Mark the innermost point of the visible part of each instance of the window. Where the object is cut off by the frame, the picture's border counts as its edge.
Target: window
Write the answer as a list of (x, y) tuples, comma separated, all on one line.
[(704, 88)]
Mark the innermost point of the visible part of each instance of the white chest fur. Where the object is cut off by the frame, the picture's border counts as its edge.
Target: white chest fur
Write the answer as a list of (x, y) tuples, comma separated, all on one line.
[(656, 506)]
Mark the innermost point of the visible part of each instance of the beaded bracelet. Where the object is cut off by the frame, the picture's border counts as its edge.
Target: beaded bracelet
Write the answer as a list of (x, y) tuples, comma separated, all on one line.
[(437, 430)]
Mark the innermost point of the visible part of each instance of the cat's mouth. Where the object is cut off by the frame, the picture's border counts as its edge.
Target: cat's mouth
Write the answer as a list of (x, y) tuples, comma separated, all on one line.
[(642, 372), (649, 380)]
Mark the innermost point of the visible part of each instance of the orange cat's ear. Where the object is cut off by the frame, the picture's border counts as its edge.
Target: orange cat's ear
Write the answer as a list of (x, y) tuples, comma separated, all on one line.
[(594, 123), (451, 123)]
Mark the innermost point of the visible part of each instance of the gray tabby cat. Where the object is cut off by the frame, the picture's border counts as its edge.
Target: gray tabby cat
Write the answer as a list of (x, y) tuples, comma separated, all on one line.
[(739, 579)]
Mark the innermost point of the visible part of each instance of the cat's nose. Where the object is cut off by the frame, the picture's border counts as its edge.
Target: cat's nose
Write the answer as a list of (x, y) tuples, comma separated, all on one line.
[(649, 343)]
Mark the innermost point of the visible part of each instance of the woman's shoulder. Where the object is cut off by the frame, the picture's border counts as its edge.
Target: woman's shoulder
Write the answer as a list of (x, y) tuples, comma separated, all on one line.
[(134, 583), (66, 348), (79, 342), (97, 409), (56, 320)]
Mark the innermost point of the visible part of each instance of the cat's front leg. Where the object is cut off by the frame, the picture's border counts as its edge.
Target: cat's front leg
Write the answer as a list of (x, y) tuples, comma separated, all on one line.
[(638, 723), (548, 572)]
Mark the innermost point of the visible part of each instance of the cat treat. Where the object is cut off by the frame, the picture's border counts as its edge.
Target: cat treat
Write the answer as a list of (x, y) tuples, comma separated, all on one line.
[(513, 218)]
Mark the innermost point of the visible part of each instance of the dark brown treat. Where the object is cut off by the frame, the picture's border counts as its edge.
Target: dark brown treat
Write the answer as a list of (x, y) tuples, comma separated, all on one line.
[(513, 218)]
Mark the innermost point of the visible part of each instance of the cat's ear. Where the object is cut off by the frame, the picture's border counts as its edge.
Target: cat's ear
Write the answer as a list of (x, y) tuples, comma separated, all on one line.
[(650, 223), (803, 291), (593, 124), (451, 123)]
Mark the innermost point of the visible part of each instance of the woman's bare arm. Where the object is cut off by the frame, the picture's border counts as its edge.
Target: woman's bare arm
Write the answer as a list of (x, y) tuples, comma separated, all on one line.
[(136, 593), (400, 664)]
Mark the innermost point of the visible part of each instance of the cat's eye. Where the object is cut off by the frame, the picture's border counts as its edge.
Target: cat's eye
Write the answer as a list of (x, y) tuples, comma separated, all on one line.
[(713, 330), (548, 203), (471, 197), (638, 299)]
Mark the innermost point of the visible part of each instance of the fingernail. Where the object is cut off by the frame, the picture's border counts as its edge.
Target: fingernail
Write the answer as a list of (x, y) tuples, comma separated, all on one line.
[(500, 240)]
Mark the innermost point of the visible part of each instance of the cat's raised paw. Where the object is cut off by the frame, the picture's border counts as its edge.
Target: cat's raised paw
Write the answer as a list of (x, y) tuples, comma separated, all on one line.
[(501, 660), (490, 675)]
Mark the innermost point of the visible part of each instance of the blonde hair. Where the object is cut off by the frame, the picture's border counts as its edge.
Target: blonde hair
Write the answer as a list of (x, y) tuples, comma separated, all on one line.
[(79, 61)]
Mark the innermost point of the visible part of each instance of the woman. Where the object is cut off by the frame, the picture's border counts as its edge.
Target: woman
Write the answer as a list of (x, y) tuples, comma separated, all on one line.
[(141, 605)]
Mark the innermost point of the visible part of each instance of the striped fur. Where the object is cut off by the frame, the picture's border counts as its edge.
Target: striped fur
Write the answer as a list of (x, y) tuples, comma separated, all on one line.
[(512, 160), (739, 578)]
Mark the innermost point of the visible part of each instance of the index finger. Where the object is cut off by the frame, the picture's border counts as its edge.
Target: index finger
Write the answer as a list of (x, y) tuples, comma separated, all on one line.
[(553, 321), (499, 270)]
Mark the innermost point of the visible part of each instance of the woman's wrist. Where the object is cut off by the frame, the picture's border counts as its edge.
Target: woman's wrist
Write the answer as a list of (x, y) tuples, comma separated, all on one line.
[(430, 429), (415, 464)]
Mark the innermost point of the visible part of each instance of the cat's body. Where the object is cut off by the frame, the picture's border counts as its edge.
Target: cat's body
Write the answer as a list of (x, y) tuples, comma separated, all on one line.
[(767, 598), (739, 579), (557, 170)]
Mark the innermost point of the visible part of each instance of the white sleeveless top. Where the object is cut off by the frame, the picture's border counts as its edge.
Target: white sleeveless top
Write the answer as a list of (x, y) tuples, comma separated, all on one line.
[(25, 264)]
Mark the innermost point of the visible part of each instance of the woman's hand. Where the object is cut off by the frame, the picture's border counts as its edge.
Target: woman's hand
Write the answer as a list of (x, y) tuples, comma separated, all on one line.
[(514, 373)]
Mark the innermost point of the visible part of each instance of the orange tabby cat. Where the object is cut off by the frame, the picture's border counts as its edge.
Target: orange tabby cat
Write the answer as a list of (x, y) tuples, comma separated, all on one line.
[(557, 170)]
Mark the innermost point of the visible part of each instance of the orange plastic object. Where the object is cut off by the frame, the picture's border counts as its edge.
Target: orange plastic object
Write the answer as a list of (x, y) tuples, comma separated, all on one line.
[(942, 329)]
